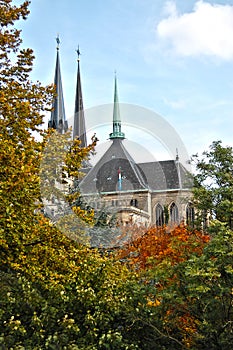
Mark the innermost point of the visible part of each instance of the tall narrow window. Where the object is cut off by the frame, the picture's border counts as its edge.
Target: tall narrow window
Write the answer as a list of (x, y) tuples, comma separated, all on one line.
[(174, 214), (190, 215), (134, 203), (159, 215)]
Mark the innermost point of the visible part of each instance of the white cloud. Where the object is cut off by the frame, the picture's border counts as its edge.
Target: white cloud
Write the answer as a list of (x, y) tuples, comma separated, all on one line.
[(170, 8), (207, 30)]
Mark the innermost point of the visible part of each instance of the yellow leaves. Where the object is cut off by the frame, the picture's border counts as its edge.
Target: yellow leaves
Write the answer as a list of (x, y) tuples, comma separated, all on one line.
[(153, 303), (10, 14), (3, 98), (59, 172), (88, 217), (69, 322)]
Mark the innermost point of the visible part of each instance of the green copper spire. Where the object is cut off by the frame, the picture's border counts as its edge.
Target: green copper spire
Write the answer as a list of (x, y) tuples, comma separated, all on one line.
[(116, 134)]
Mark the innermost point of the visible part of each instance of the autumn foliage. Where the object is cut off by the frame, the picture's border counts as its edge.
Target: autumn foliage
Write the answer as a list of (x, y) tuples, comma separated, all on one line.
[(160, 243), (166, 288), (157, 257)]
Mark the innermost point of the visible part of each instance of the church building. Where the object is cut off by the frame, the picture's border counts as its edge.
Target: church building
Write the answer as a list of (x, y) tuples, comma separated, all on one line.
[(149, 193)]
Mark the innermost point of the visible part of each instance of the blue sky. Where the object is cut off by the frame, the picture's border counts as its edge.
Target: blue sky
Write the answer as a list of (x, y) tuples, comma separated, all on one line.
[(172, 57)]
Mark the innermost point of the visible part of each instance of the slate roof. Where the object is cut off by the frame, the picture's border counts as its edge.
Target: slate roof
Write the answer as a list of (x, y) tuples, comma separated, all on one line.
[(154, 176), (103, 177), (165, 175)]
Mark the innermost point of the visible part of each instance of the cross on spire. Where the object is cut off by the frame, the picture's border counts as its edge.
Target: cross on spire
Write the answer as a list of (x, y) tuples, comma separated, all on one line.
[(78, 53), (58, 41)]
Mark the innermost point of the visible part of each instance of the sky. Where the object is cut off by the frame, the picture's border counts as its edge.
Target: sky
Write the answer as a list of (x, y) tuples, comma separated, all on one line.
[(172, 58)]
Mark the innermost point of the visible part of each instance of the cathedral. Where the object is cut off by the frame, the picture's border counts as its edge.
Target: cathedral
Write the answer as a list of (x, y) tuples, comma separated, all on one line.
[(149, 193)]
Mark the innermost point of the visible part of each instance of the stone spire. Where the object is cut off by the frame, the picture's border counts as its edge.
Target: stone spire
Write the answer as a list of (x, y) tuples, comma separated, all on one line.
[(58, 119), (116, 134), (79, 119)]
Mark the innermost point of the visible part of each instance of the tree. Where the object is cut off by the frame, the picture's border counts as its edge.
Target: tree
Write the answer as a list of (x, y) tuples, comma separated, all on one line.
[(60, 170), (213, 190), (22, 107), (62, 295), (54, 293), (160, 243), (158, 256), (187, 278), (59, 294), (22, 104), (193, 298), (209, 279)]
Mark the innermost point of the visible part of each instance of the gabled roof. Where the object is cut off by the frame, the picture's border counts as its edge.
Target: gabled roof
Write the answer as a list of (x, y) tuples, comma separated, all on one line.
[(153, 176), (115, 171), (166, 175)]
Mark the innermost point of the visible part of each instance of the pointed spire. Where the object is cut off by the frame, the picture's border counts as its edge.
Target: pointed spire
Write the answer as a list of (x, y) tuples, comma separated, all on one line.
[(178, 168), (58, 119), (79, 119), (116, 134)]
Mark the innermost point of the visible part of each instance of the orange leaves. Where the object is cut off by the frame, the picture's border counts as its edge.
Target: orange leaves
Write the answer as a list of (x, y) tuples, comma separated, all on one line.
[(158, 244), (158, 255)]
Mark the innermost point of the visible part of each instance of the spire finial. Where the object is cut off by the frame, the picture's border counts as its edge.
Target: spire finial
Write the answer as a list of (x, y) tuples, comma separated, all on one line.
[(58, 41), (78, 53)]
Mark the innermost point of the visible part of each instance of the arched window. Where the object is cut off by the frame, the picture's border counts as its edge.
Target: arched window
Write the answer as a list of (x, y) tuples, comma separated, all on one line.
[(159, 215), (190, 214), (134, 203), (174, 214)]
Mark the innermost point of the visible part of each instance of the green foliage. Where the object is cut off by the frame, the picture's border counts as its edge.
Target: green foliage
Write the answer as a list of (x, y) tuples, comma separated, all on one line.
[(22, 104), (56, 293), (60, 164), (85, 311), (210, 281), (191, 300), (213, 192)]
